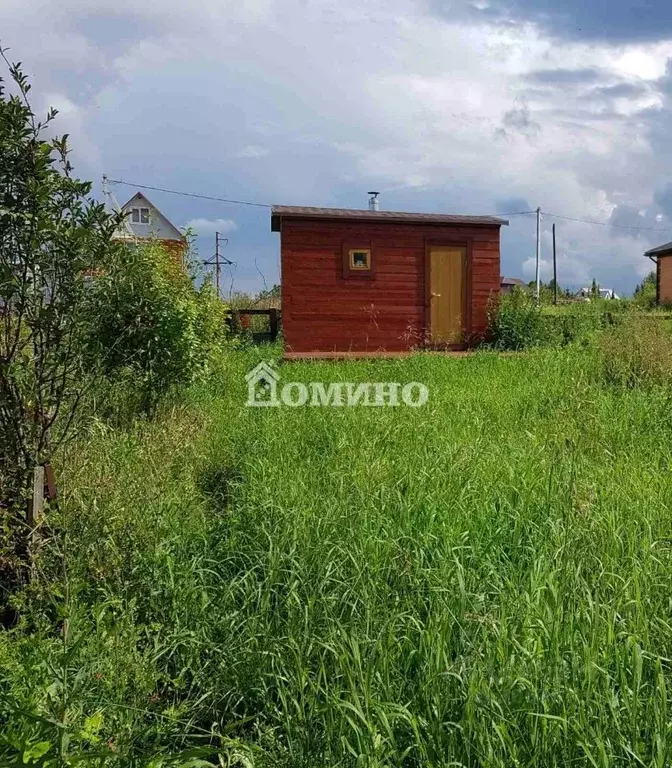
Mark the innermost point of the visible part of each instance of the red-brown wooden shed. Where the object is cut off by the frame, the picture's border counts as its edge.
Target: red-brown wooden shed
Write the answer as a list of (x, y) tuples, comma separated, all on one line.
[(381, 281)]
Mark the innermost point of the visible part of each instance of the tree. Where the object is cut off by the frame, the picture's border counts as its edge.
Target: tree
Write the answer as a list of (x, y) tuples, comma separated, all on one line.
[(647, 283), (272, 293), (645, 294), (149, 321), (594, 290), (52, 238), (545, 291)]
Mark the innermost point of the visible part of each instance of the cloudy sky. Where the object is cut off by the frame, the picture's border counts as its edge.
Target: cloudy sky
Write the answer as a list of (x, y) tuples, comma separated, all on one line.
[(462, 106)]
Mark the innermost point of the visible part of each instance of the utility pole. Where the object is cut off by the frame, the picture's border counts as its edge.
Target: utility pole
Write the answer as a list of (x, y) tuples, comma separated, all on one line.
[(536, 278), (555, 271), (218, 268), (112, 206), (217, 261)]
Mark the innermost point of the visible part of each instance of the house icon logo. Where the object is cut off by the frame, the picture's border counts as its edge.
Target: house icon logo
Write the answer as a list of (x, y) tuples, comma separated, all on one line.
[(262, 386)]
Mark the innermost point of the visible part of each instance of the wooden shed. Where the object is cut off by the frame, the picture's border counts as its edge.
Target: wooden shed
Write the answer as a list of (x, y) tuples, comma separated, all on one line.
[(368, 281), (661, 256)]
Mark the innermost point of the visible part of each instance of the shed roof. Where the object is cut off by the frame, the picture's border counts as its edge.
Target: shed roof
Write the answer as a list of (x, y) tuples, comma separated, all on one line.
[(279, 212), (660, 250), (512, 281)]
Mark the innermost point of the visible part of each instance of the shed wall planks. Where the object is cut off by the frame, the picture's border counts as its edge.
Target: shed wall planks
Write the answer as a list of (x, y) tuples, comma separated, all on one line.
[(325, 311), (665, 279)]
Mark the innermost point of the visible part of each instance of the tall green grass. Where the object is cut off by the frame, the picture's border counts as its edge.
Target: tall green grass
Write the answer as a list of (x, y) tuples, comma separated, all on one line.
[(483, 581)]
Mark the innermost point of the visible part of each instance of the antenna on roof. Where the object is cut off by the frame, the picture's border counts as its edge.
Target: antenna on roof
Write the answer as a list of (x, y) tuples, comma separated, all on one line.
[(374, 203)]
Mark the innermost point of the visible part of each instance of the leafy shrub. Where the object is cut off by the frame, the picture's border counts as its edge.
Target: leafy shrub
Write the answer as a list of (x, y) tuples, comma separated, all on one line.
[(637, 351), (151, 323), (578, 322), (51, 235), (516, 321), (645, 294)]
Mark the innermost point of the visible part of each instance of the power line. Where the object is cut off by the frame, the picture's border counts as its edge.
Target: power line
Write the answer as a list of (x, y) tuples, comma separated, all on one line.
[(266, 205), (245, 202), (589, 221), (188, 194), (514, 213), (607, 223)]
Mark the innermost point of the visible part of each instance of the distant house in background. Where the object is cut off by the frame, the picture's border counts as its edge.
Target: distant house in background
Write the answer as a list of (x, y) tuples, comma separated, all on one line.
[(507, 284), (602, 293), (144, 221), (659, 256)]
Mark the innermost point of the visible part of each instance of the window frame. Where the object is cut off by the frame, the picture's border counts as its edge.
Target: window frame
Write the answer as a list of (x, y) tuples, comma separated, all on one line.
[(351, 271), (139, 210), (357, 267)]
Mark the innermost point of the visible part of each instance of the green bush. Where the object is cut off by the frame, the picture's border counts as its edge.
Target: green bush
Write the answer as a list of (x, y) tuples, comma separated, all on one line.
[(516, 321), (578, 322), (52, 234), (151, 324), (645, 294)]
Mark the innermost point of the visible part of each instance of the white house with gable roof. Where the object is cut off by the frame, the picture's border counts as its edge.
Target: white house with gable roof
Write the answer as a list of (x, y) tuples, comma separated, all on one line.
[(144, 221)]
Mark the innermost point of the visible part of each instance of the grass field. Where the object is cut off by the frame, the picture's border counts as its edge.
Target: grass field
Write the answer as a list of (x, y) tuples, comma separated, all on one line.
[(483, 581)]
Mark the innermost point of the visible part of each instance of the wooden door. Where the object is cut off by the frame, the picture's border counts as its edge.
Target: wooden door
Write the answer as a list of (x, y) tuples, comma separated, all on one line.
[(447, 278)]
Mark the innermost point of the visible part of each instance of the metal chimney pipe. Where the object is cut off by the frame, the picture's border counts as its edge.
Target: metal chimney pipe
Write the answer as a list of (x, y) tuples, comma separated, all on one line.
[(374, 203)]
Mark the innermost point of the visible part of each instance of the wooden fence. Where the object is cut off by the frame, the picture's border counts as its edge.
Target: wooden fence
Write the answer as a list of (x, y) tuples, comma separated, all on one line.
[(239, 320)]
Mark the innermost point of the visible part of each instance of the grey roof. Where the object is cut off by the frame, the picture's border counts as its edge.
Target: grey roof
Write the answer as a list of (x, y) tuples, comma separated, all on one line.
[(512, 281), (661, 249), (307, 212)]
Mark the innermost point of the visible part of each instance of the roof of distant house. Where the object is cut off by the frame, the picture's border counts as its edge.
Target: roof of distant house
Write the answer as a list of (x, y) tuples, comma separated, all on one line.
[(659, 250), (303, 212), (512, 281)]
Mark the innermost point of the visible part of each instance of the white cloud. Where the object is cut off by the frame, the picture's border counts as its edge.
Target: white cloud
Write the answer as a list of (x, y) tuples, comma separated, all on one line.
[(73, 119), (210, 226), (251, 152)]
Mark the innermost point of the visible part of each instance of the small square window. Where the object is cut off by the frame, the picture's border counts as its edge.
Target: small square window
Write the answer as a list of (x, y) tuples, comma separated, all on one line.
[(360, 259)]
